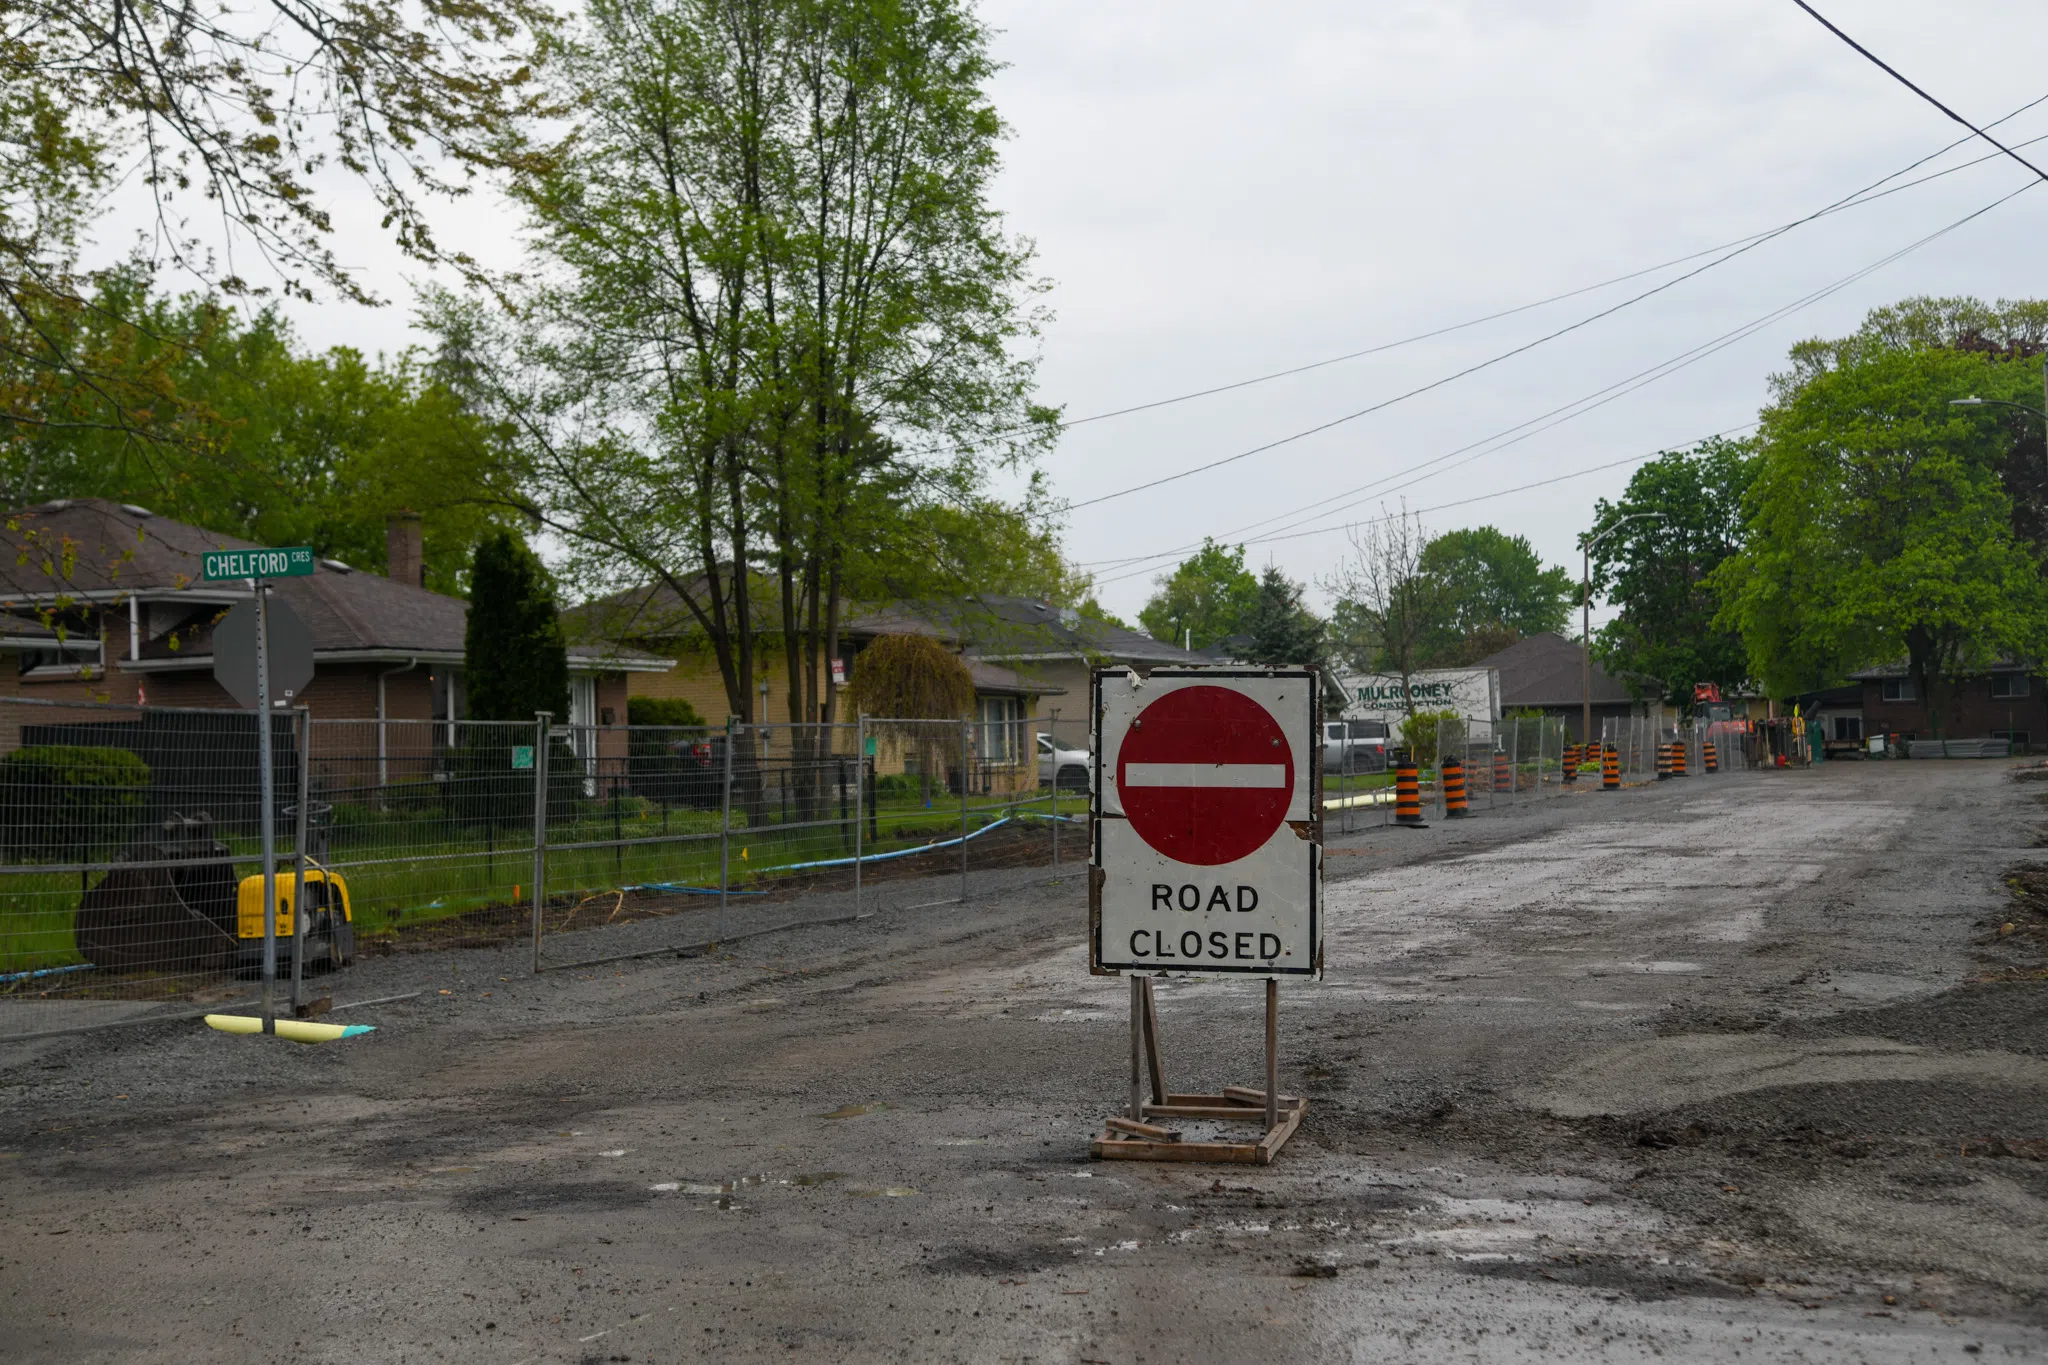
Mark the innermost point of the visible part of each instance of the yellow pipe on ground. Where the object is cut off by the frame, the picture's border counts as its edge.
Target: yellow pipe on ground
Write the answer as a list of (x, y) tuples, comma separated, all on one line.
[(297, 1030)]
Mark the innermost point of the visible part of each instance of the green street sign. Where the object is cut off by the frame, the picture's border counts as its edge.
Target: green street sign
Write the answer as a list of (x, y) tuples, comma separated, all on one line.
[(522, 757), (295, 562)]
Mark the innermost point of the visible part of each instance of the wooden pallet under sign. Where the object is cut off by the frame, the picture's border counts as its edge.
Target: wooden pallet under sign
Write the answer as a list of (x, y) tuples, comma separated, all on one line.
[(1146, 1133)]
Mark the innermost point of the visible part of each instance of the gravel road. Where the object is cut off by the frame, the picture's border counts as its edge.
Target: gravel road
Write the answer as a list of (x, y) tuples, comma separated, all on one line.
[(1733, 1068)]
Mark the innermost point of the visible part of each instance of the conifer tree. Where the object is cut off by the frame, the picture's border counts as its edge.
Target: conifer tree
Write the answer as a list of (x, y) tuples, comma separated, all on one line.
[(515, 659)]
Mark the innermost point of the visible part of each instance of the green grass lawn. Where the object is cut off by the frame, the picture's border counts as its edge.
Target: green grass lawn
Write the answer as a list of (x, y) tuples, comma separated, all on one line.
[(405, 869)]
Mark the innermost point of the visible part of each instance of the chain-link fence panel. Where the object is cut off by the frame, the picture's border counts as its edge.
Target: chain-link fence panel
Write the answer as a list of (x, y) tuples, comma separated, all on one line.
[(658, 838), (431, 824), (1726, 750), (1027, 798), (734, 831), (1358, 784), (131, 880)]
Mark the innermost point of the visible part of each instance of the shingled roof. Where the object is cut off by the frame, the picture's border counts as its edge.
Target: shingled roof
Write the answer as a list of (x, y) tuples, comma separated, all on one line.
[(90, 550), (1544, 670), (1025, 630)]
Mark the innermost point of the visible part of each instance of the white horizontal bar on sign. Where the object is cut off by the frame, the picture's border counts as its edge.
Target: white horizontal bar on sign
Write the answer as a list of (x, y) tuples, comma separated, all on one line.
[(1205, 775)]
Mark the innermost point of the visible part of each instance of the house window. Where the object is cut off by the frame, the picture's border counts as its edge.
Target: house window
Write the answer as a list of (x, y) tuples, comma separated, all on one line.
[(1899, 689), (2008, 685), (1848, 727), (998, 720)]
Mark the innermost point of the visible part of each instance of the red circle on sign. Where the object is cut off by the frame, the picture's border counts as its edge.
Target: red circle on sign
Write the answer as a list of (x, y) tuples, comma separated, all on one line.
[(1205, 774)]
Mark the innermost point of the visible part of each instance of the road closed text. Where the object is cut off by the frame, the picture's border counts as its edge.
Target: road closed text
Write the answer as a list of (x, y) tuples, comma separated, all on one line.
[(1189, 897), (1163, 945)]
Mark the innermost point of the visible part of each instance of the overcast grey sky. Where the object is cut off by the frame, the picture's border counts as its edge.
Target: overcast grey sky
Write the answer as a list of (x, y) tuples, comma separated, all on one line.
[(1218, 191)]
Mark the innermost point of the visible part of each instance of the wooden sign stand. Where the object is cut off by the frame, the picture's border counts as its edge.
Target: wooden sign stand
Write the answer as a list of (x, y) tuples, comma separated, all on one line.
[(1140, 1138)]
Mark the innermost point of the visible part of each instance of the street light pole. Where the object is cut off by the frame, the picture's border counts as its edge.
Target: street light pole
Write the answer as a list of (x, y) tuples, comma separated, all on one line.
[(1586, 621), (1973, 401)]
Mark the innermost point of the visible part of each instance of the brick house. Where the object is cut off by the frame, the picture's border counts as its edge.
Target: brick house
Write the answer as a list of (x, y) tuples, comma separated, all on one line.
[(104, 602), (2004, 701)]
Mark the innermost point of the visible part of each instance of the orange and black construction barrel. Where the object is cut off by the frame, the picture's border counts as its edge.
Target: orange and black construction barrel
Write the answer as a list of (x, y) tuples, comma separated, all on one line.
[(1678, 758), (1503, 774), (1663, 762), (1453, 773), (1713, 757), (1407, 790), (1610, 768), (1571, 762)]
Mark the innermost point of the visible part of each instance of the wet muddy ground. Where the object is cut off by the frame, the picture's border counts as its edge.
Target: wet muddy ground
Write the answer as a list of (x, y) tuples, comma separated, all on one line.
[(1737, 1068)]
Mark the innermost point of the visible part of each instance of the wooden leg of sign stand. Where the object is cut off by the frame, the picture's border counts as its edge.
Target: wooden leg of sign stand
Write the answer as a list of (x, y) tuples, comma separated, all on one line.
[(1272, 1054), (1136, 1138), (1154, 1060), (1137, 1047)]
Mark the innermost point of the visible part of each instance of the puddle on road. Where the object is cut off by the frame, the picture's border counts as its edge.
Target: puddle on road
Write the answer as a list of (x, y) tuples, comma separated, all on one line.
[(745, 1182)]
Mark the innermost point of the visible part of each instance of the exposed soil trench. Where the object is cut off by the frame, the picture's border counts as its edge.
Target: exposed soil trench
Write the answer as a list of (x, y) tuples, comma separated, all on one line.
[(1740, 1067)]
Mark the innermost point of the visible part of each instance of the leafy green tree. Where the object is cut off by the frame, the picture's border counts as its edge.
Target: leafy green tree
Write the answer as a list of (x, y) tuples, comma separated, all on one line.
[(1494, 590), (1209, 598), (515, 661), (977, 544), (777, 313), (1666, 636), (1422, 734), (912, 677), (254, 436), (915, 677), (247, 109), (1878, 524), (1092, 610)]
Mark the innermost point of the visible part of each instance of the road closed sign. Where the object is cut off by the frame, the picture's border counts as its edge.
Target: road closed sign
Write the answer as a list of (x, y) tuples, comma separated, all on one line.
[(1207, 853)]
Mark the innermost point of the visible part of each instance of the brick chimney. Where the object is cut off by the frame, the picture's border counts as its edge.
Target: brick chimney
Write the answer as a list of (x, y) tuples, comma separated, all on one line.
[(405, 559)]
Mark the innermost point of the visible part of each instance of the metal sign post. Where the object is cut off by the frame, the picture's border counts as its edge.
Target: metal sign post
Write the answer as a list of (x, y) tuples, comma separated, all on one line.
[(266, 801), (1206, 860), (725, 828), (964, 760), (242, 645), (543, 735), (860, 802), (301, 832)]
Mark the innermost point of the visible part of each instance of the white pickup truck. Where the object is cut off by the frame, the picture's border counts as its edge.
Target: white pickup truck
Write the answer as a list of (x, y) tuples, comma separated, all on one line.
[(1354, 746)]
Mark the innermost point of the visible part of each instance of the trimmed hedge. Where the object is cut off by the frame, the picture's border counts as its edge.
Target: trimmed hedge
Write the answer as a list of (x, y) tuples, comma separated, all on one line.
[(69, 802)]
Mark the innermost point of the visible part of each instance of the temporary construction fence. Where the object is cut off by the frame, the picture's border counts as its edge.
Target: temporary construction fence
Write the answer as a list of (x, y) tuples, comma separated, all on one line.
[(856, 815), (1516, 760), (130, 843), (128, 887), (130, 838)]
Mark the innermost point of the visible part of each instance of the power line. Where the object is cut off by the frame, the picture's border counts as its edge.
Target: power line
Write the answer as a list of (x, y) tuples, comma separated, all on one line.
[(1484, 497), (1469, 369), (1894, 73), (1576, 408), (1869, 194)]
